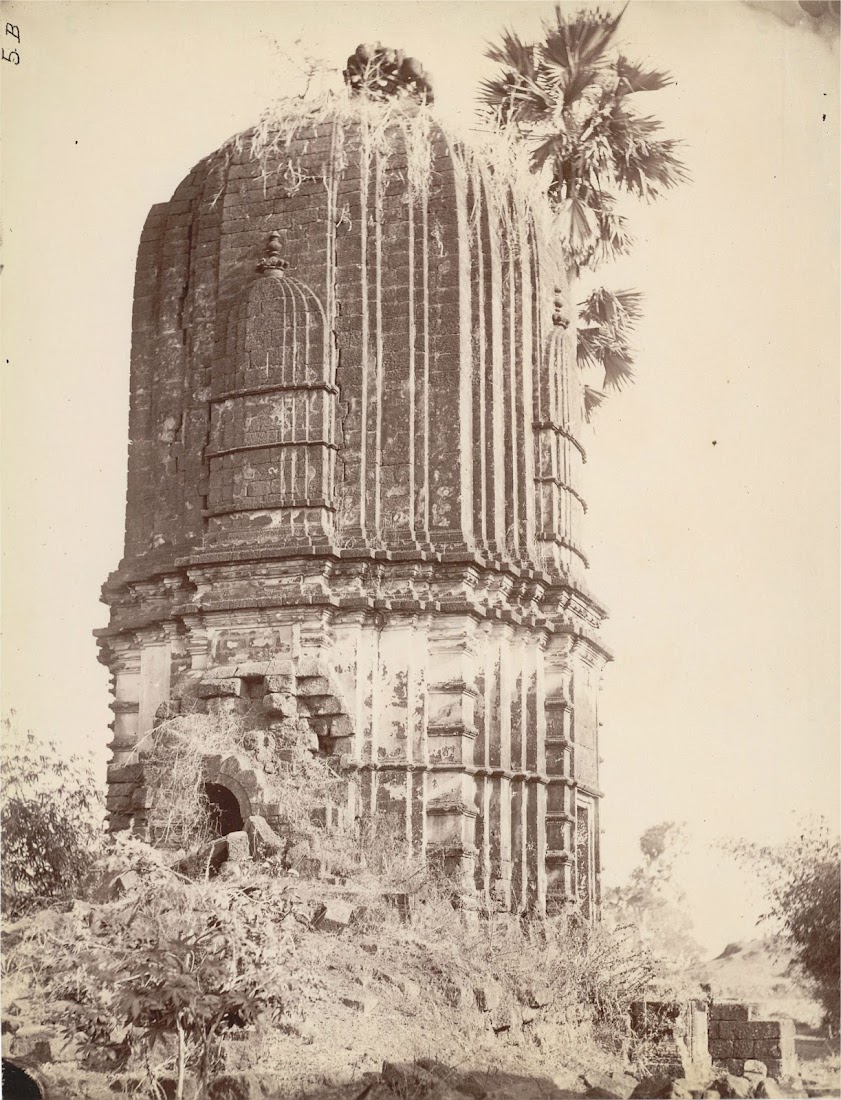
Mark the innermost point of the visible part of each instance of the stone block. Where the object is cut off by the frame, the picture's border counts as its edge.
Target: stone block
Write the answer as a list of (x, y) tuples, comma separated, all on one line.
[(617, 1084), (333, 916), (220, 672), (33, 1044), (141, 798), (282, 703), (280, 665), (312, 685), (231, 688), (731, 1010), (125, 773), (252, 670), (283, 682), (768, 1048), (122, 883), (308, 666), (768, 1089), (239, 847), (743, 1048), (732, 1087), (262, 838), (318, 706), (652, 1088), (753, 1065)]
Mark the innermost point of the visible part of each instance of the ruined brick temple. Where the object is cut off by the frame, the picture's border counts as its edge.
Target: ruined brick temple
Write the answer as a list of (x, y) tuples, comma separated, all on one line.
[(354, 492)]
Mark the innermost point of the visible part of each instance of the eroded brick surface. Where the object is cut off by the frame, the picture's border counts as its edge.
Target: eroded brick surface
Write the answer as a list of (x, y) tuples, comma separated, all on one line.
[(354, 493)]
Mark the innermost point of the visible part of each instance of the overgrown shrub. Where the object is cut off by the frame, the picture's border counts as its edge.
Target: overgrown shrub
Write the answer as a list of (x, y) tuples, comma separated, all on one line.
[(154, 979), (801, 880), (174, 754), (51, 818)]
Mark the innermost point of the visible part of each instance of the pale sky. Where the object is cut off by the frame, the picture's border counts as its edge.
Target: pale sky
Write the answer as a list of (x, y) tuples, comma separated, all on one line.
[(713, 483)]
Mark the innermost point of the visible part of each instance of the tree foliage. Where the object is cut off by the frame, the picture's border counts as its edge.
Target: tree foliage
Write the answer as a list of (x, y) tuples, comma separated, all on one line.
[(653, 903), (51, 821), (188, 959), (801, 880), (573, 98)]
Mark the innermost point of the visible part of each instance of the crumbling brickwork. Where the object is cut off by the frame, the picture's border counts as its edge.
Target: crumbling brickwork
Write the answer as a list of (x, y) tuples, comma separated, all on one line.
[(735, 1036), (355, 439)]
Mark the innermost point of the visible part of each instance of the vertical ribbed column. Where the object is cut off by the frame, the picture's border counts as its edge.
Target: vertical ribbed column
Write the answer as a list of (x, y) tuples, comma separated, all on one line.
[(449, 395), (352, 335), (525, 407), (560, 792), (396, 343)]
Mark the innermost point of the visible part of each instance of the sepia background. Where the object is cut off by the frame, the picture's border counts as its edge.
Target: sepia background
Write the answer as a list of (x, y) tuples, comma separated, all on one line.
[(713, 482)]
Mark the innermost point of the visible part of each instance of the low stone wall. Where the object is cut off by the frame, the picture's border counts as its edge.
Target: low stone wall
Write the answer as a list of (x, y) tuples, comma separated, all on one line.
[(676, 1034), (736, 1037)]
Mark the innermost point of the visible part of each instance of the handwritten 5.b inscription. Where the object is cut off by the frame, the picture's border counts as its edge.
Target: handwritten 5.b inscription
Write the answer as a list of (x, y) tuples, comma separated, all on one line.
[(12, 55)]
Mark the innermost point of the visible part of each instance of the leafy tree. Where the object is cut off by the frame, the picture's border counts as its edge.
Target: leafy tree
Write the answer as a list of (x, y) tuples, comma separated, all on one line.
[(801, 880), (571, 97), (51, 821), (653, 903)]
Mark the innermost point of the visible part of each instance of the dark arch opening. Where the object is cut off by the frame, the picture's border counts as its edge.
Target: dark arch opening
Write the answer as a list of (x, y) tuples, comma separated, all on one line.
[(18, 1085), (223, 810)]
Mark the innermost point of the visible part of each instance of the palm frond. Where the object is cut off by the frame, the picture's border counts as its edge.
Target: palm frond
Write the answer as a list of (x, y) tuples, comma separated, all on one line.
[(513, 97), (606, 320), (651, 167), (618, 367), (633, 78), (592, 400), (513, 53), (585, 37), (578, 225), (588, 348), (619, 309), (615, 239)]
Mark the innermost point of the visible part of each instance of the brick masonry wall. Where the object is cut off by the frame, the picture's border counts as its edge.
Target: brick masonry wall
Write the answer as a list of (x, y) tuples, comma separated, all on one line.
[(376, 452), (735, 1036)]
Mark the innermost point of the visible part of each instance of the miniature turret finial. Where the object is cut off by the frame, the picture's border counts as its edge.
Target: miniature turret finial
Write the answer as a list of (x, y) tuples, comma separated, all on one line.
[(272, 259)]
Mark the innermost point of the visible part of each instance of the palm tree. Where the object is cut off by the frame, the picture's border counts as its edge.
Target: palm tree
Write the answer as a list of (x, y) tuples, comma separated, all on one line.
[(570, 97)]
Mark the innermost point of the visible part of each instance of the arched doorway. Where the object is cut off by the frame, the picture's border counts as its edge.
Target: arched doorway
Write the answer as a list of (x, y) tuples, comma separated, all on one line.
[(223, 810), (18, 1085)]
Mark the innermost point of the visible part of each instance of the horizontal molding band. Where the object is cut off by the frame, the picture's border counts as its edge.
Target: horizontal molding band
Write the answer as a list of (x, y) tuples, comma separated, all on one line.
[(277, 445), (451, 729), (271, 504), (257, 391), (474, 770)]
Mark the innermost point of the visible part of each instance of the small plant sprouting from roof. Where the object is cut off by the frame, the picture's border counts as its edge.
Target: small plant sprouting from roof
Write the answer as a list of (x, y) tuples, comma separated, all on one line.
[(571, 99), (381, 73)]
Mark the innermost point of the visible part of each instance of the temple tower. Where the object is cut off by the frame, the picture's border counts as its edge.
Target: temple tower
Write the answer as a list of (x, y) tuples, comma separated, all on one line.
[(353, 493)]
